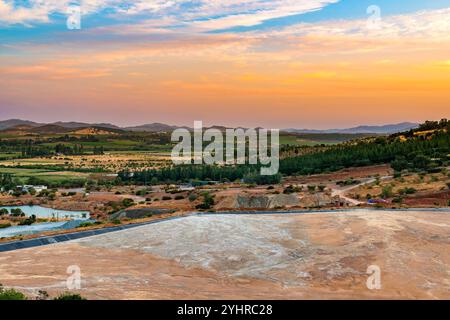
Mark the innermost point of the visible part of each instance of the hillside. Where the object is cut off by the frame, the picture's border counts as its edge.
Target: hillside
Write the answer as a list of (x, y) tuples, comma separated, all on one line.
[(425, 148), (152, 127), (11, 123), (96, 131)]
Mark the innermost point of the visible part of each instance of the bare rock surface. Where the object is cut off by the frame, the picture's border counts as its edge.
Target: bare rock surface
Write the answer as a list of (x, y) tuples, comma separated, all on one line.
[(282, 256)]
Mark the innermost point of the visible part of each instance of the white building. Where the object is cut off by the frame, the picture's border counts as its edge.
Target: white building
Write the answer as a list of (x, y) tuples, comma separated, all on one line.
[(27, 188), (186, 187)]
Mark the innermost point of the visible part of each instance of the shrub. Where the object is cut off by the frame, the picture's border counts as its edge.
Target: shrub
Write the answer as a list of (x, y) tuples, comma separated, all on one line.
[(410, 190), (386, 192), (397, 200), (127, 202), (89, 224), (69, 296), (11, 294), (165, 198), (192, 197), (116, 221), (291, 189), (179, 197), (5, 225), (42, 295), (208, 202), (17, 212), (28, 221)]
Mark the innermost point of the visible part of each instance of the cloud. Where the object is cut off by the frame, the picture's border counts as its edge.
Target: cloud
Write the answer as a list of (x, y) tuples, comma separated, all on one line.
[(427, 24), (201, 15)]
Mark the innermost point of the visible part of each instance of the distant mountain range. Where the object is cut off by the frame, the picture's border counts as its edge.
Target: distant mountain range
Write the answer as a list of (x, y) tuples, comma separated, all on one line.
[(59, 126), (383, 129), (161, 127)]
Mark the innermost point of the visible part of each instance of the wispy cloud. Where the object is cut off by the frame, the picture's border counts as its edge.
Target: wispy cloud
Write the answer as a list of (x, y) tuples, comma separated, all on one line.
[(201, 15)]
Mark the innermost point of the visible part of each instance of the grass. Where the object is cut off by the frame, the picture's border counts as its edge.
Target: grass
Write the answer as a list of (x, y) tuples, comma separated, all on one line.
[(50, 177), (312, 139), (298, 141), (9, 155)]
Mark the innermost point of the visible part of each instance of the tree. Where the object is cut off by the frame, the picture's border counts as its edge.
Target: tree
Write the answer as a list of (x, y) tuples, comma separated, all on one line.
[(6, 181), (386, 192), (17, 212), (208, 201)]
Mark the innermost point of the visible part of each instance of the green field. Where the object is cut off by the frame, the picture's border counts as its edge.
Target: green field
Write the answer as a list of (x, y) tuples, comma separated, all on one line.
[(10, 155), (298, 141), (48, 177)]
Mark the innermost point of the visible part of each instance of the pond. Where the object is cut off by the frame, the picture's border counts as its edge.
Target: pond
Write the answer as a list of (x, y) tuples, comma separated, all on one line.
[(75, 217)]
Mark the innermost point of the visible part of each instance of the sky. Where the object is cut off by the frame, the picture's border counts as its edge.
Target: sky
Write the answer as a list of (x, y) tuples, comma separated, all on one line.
[(272, 63)]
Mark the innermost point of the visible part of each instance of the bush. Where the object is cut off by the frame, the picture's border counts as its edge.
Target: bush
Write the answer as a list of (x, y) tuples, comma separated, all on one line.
[(397, 200), (5, 225), (88, 224), (291, 189), (11, 294), (208, 202), (28, 221), (192, 197), (179, 197), (165, 198), (407, 191), (127, 202), (69, 296), (386, 192), (116, 221), (17, 212)]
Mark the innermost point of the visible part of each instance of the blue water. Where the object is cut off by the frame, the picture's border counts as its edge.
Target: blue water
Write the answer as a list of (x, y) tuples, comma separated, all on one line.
[(42, 212), (76, 218)]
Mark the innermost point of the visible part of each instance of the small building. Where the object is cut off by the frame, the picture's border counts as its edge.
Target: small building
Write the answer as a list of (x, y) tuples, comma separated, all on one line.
[(27, 188), (186, 187)]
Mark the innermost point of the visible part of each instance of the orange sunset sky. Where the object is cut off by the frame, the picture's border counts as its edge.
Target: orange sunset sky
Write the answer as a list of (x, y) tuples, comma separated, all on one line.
[(248, 63)]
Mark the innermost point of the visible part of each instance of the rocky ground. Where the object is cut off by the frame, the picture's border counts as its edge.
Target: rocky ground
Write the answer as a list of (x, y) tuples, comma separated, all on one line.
[(284, 256)]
